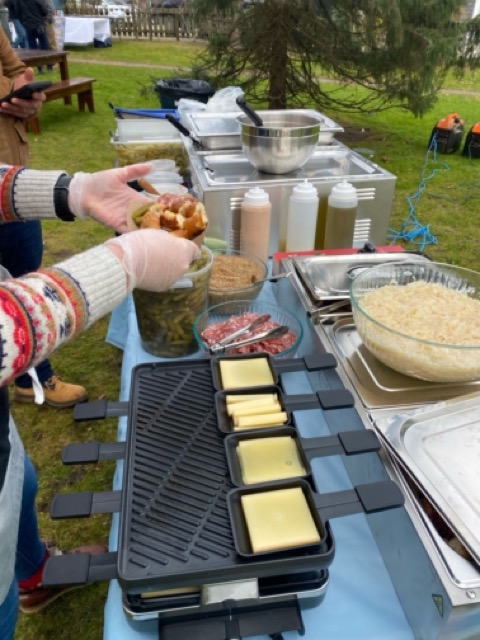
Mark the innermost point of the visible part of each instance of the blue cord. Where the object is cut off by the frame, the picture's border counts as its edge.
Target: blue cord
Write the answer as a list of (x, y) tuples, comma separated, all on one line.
[(411, 230)]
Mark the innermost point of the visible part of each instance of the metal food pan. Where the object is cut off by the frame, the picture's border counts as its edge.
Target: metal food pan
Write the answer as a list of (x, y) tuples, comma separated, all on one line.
[(218, 131), (329, 277)]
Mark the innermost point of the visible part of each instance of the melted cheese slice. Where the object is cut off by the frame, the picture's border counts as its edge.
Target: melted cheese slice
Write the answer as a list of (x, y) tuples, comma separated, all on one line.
[(266, 459), (278, 520), (247, 397), (258, 421), (269, 407), (247, 372)]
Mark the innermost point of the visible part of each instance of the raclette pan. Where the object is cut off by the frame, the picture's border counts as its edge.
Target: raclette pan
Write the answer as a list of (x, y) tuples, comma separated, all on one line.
[(367, 498), (313, 362), (329, 399), (348, 443)]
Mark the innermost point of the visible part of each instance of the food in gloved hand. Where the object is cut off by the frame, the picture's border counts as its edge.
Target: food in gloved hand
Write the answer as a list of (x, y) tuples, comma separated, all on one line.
[(181, 215)]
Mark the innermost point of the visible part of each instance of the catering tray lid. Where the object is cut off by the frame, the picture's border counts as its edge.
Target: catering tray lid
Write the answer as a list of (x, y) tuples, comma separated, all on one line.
[(439, 448), (328, 277)]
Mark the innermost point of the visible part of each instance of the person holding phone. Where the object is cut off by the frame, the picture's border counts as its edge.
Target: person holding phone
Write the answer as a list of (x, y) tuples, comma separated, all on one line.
[(21, 244)]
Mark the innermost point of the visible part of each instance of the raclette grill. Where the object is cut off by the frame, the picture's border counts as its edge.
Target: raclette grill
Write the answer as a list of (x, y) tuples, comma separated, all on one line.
[(175, 528)]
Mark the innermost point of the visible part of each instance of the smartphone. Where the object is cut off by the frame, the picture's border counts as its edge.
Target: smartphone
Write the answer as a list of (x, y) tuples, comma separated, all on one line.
[(27, 90)]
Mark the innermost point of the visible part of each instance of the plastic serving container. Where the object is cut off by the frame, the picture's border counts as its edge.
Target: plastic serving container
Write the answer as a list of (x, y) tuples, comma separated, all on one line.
[(165, 319)]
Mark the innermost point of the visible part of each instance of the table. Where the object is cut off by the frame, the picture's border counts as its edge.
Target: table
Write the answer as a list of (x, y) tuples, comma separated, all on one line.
[(87, 30), (41, 57), (360, 601)]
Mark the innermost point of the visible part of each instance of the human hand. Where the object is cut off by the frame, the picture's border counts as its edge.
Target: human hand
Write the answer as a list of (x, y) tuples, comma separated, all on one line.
[(153, 259), (105, 196), (21, 108)]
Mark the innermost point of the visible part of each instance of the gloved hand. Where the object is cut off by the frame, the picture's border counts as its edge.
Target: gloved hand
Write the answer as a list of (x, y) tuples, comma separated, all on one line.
[(153, 259), (105, 196)]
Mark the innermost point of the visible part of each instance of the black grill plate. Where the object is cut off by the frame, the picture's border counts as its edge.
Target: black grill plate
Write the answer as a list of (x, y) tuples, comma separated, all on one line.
[(174, 522)]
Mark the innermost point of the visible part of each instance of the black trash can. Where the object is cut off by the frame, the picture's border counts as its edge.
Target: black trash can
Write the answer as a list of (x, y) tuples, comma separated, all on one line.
[(171, 90)]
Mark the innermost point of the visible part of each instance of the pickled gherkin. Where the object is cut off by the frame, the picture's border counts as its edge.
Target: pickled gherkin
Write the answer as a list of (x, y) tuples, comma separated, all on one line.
[(165, 319)]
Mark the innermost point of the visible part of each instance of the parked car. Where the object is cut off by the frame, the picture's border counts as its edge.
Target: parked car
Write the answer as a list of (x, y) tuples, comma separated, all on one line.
[(114, 8), (167, 4)]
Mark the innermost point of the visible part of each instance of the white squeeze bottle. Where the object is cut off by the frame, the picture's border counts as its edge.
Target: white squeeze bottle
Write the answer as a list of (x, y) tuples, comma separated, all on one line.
[(255, 215), (302, 217), (341, 216)]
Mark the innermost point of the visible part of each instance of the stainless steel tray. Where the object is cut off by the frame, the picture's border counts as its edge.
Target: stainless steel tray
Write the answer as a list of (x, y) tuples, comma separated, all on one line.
[(329, 277), (219, 131), (440, 449)]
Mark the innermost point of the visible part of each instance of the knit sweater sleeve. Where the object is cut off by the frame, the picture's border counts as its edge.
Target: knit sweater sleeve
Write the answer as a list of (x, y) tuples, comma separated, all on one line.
[(43, 310), (27, 194)]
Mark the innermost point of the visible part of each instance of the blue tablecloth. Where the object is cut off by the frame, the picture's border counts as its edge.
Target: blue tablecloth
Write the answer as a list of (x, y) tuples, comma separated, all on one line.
[(360, 601)]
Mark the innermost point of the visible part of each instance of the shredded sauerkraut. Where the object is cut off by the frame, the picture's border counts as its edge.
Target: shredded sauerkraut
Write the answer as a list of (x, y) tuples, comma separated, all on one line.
[(427, 312)]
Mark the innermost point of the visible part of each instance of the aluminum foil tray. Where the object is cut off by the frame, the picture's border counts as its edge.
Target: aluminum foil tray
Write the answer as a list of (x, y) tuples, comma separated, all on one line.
[(440, 449), (329, 277)]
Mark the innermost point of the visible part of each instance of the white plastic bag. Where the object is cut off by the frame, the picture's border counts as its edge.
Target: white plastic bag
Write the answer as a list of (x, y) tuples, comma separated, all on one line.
[(224, 100), (185, 105)]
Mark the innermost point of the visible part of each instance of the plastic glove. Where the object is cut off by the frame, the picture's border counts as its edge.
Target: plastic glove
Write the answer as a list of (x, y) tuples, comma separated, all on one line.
[(153, 259), (105, 196)]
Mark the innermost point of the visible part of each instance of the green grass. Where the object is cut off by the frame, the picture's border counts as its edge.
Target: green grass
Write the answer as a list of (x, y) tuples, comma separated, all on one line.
[(77, 141)]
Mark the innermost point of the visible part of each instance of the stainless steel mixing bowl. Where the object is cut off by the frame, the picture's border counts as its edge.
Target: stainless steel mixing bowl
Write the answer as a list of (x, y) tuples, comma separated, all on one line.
[(284, 143)]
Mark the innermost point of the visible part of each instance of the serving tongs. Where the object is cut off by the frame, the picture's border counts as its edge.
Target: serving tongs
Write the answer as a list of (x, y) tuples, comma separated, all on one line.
[(228, 342), (218, 349)]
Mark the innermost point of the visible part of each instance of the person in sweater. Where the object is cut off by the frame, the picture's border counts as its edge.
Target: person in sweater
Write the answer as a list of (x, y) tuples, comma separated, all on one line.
[(41, 311), (21, 243)]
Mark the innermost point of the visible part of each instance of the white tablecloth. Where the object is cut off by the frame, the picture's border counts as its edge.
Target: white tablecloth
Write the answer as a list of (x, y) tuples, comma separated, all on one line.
[(83, 31)]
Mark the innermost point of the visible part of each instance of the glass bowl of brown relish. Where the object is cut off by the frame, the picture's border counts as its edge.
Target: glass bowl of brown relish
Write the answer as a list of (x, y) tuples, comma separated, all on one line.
[(235, 276)]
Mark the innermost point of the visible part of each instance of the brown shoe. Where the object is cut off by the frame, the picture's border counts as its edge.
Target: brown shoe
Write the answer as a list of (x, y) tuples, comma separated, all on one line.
[(36, 599), (57, 393)]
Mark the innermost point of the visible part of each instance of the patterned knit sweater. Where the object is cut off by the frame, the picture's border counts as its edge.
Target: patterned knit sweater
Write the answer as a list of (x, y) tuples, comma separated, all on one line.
[(41, 311)]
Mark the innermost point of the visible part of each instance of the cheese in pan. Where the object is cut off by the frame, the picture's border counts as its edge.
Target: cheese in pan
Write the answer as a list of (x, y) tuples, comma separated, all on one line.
[(266, 459), (278, 520), (248, 372)]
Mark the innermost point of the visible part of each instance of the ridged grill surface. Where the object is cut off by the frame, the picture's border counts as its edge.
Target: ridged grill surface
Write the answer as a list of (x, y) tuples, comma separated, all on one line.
[(174, 524)]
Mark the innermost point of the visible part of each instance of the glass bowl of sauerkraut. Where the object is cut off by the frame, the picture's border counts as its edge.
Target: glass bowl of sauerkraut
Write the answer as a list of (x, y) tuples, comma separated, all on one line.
[(421, 319)]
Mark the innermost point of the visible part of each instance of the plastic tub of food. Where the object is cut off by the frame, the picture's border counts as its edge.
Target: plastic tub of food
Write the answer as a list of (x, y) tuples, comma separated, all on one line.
[(165, 319), (236, 275)]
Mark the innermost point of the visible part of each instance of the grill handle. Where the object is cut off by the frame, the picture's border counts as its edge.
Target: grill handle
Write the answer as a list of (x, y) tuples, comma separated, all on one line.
[(312, 362), (79, 568), (82, 504), (347, 443), (99, 409), (91, 452), (365, 498)]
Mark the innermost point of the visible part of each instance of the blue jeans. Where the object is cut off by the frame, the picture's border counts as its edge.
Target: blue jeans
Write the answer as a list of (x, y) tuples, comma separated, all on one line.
[(30, 551), (21, 35), (21, 251), (37, 39)]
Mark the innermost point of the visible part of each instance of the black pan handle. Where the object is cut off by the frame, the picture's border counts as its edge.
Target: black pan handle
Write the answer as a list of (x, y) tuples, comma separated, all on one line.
[(91, 452), (84, 503), (79, 568), (183, 130), (99, 409), (247, 109), (366, 498), (312, 362), (347, 443)]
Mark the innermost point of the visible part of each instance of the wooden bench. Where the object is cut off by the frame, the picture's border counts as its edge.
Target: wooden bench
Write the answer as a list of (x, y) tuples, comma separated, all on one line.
[(81, 87)]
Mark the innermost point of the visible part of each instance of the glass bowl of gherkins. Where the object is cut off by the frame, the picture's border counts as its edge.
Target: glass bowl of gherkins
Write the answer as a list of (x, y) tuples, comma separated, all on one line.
[(165, 319)]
